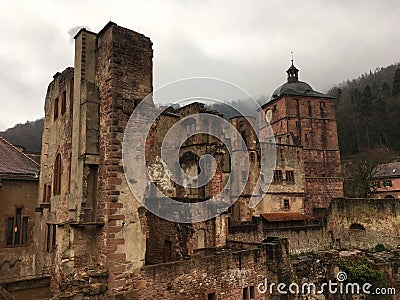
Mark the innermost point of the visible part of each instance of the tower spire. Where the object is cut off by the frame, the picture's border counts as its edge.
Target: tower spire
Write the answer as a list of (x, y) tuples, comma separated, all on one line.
[(293, 72)]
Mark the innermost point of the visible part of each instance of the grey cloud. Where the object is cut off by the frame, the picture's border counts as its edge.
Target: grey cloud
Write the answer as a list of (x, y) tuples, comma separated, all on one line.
[(74, 30)]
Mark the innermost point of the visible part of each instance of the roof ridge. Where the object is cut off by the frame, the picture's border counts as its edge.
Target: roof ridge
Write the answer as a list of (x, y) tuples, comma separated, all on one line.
[(16, 149)]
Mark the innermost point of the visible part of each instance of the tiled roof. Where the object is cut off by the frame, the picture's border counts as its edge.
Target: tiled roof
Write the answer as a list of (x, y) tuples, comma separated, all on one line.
[(285, 216), (388, 170), (16, 165)]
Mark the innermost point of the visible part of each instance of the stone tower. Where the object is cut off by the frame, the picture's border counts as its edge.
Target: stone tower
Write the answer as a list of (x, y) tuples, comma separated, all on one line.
[(91, 216), (302, 117)]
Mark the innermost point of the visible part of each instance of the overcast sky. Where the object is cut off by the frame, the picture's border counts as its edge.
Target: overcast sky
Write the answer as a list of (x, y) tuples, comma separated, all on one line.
[(244, 42)]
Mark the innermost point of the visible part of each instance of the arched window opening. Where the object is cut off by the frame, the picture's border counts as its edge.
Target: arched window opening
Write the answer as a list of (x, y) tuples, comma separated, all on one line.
[(356, 226)]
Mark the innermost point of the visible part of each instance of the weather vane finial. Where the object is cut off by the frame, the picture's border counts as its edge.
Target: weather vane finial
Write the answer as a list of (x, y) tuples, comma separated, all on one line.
[(292, 56)]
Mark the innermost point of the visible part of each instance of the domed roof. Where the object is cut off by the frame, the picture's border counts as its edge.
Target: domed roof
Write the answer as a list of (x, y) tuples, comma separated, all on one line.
[(290, 88), (294, 87)]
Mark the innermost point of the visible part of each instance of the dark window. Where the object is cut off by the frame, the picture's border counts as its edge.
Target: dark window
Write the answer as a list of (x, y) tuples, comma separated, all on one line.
[(51, 235), (356, 226), (245, 293), (17, 229), (71, 100), (286, 204), (48, 238), (48, 194), (24, 230), (387, 183), (274, 109), (278, 175), (290, 176), (44, 193), (376, 184), (64, 102), (57, 175), (211, 296), (56, 108), (281, 154), (252, 157), (10, 230), (252, 292), (306, 137)]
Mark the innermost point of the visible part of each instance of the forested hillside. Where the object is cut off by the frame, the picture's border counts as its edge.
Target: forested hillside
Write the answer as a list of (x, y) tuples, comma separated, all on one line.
[(368, 111), (28, 135)]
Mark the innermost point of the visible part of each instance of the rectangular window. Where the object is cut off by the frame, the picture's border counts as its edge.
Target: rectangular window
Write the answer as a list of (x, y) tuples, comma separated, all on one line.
[(64, 102), (274, 109), (10, 231), (53, 236), (252, 293), (17, 229), (286, 204), (245, 293), (48, 238), (387, 183), (290, 176), (24, 230), (211, 296), (278, 175), (56, 108), (44, 193), (48, 194)]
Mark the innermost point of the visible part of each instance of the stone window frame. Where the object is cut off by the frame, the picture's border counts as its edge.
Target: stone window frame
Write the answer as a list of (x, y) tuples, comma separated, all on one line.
[(55, 111), (211, 295), (57, 172), (387, 183), (248, 292), (46, 193), (51, 237), (278, 175), (24, 231), (289, 176), (286, 204), (64, 102)]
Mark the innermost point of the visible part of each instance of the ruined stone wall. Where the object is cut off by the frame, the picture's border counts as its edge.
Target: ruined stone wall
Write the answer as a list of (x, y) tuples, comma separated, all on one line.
[(52, 241), (301, 238), (166, 241), (225, 274), (377, 219), (18, 262)]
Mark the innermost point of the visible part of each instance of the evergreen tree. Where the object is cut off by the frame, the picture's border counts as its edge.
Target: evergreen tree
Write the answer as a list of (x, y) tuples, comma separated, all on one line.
[(396, 83)]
